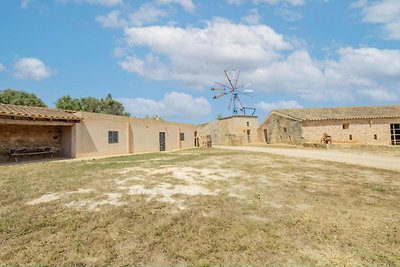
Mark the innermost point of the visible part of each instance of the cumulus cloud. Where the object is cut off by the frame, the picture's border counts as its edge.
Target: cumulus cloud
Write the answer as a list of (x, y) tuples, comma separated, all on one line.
[(111, 20), (31, 69), (252, 18), (383, 12), (187, 5), (267, 107), (25, 3), (145, 14), (2, 67), (197, 56), (105, 2), (275, 2), (173, 105)]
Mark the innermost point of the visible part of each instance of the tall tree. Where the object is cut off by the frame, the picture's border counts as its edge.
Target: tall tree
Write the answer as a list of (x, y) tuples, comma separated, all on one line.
[(91, 104), (15, 97)]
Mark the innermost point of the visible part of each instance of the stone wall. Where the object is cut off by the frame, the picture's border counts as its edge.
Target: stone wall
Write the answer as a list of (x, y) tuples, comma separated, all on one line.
[(281, 130), (369, 132), (231, 131), (28, 136)]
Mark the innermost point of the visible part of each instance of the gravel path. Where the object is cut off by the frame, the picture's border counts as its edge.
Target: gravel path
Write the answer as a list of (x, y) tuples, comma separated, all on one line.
[(367, 159)]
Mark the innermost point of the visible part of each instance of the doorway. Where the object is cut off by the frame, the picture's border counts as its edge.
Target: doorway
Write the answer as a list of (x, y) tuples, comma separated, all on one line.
[(248, 136), (162, 141), (265, 135)]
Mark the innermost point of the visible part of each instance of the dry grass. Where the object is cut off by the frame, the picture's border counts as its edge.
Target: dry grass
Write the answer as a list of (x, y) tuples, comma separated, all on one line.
[(198, 207)]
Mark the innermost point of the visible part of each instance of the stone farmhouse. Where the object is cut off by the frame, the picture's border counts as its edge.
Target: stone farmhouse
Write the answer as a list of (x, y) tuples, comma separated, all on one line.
[(34, 131), (365, 125), (231, 131)]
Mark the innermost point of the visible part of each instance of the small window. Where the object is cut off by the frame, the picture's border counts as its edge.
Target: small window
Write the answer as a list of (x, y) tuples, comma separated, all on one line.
[(284, 129), (182, 136), (375, 137), (346, 126), (113, 137), (350, 137), (248, 123)]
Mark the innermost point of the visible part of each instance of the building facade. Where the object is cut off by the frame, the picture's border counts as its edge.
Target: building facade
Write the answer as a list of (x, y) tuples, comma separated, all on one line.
[(84, 134), (233, 130), (375, 125)]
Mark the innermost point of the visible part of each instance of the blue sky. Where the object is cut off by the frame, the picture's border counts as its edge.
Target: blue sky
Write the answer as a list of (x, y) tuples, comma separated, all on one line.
[(163, 56)]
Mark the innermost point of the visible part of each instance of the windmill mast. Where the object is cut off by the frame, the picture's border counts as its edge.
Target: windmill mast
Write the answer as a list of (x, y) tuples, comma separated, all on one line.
[(234, 91)]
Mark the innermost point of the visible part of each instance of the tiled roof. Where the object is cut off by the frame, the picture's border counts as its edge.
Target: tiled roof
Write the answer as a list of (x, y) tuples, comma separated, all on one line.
[(341, 113), (36, 113)]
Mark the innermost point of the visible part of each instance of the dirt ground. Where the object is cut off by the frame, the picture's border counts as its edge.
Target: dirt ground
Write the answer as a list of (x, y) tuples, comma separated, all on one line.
[(199, 207), (384, 159)]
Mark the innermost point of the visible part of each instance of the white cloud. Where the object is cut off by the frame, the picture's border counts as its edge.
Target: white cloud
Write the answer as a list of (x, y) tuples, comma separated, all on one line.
[(187, 5), (267, 107), (235, 2), (288, 14), (380, 94), (275, 2), (253, 18), (31, 69), (105, 2), (25, 3), (2, 67), (111, 20), (383, 12), (197, 57), (173, 105), (147, 13)]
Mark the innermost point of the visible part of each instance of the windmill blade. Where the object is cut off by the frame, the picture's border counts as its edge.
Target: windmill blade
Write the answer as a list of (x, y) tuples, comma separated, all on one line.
[(237, 78), (218, 96), (230, 102), (217, 89), (229, 79), (223, 85)]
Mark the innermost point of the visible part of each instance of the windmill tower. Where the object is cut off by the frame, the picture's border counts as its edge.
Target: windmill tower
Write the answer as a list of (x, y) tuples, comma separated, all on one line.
[(234, 91)]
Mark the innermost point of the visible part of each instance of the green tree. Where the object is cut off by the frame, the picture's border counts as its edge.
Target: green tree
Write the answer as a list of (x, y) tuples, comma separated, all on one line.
[(15, 97), (68, 103), (107, 105)]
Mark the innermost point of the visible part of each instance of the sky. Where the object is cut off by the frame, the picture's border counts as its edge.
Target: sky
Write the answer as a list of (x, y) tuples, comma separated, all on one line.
[(161, 57)]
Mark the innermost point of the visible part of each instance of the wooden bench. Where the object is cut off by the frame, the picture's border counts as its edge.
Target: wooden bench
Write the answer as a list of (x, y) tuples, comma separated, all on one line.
[(30, 152)]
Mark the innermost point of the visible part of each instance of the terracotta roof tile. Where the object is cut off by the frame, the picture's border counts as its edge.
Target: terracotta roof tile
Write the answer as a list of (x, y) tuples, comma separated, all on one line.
[(36, 112), (340, 113)]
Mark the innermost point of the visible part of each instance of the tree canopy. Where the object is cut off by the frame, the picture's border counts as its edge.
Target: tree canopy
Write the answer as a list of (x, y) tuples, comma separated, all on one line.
[(15, 97), (106, 105)]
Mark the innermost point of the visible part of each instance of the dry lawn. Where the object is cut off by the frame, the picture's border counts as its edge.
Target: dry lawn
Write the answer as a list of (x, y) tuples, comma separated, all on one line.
[(199, 207)]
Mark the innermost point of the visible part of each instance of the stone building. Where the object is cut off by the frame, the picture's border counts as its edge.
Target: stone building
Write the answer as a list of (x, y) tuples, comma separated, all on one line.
[(233, 130), (81, 134), (369, 125)]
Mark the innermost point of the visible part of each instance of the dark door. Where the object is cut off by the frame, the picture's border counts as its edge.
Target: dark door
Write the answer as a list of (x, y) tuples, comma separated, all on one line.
[(266, 135), (248, 136), (162, 141)]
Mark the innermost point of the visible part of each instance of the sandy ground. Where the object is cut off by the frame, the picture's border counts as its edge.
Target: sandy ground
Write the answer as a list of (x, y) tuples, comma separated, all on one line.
[(369, 159)]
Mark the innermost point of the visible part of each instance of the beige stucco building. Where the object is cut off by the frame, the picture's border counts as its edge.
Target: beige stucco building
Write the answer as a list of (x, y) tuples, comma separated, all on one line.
[(233, 130), (84, 134), (374, 125)]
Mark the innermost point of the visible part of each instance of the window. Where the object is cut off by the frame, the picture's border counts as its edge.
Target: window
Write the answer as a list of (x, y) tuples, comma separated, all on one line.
[(350, 137), (346, 126), (284, 129), (113, 137), (248, 123), (375, 137), (182, 136), (395, 134)]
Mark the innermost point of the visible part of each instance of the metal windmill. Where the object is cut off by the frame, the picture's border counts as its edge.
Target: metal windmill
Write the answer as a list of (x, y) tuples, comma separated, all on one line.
[(234, 91)]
